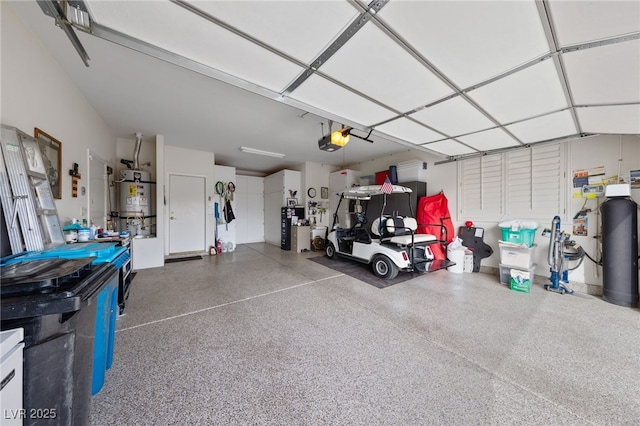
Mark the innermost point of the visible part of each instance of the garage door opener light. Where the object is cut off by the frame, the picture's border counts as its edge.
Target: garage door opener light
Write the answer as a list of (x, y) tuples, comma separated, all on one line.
[(334, 140)]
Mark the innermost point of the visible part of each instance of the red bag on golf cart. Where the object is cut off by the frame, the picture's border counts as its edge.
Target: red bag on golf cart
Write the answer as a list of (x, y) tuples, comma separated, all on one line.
[(434, 218)]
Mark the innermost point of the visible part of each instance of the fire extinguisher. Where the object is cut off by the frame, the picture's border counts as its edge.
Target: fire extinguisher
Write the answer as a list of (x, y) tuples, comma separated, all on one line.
[(219, 246)]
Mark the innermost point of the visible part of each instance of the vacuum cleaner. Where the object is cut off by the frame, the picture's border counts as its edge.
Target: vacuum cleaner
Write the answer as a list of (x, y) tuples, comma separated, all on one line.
[(561, 251)]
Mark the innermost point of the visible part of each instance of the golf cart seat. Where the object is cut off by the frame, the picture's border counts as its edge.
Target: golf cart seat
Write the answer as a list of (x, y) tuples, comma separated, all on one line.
[(401, 231)]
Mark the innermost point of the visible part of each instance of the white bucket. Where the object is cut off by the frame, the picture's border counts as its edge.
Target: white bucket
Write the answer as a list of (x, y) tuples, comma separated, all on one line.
[(456, 256), (84, 234)]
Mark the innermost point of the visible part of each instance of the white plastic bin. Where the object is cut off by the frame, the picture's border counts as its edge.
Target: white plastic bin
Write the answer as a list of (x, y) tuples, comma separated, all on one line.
[(517, 256), (505, 272), (413, 170)]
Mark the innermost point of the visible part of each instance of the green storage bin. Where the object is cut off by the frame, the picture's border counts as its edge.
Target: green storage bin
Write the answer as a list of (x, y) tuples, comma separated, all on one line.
[(520, 236)]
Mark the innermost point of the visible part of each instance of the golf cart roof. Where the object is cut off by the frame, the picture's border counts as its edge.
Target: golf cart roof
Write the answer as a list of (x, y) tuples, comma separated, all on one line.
[(366, 192)]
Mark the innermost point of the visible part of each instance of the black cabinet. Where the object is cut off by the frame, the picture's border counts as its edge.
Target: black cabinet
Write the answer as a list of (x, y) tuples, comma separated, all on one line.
[(286, 213), (397, 203)]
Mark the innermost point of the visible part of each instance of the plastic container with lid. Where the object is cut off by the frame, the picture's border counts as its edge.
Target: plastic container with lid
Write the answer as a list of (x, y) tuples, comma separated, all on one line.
[(84, 234)]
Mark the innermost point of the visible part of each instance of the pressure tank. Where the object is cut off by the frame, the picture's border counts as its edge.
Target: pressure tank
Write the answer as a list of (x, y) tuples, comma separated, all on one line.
[(620, 251), (135, 201)]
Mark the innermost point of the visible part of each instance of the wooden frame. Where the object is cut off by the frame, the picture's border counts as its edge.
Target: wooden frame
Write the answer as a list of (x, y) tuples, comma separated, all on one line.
[(51, 150)]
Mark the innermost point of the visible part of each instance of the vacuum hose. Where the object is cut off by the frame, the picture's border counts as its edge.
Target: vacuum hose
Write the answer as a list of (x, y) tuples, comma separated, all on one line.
[(576, 252)]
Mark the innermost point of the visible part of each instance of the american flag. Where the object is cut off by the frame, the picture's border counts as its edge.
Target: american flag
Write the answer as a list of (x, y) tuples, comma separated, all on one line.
[(386, 187)]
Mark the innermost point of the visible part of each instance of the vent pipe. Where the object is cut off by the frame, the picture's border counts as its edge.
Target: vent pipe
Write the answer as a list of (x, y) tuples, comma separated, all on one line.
[(136, 152)]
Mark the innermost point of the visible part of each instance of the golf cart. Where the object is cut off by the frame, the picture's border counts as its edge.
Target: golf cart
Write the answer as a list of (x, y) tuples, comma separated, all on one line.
[(390, 244)]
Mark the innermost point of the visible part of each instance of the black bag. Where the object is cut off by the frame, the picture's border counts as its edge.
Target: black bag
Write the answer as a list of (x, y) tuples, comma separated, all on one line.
[(393, 175), (228, 212)]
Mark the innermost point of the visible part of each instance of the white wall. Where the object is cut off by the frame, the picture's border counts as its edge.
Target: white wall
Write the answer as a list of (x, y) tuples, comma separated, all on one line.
[(36, 92), (315, 176)]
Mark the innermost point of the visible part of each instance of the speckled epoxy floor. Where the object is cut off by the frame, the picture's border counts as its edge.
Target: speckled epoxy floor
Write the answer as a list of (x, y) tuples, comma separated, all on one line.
[(264, 336)]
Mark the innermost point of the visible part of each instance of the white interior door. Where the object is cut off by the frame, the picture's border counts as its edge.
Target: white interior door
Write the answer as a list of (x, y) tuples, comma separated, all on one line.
[(97, 208), (187, 214)]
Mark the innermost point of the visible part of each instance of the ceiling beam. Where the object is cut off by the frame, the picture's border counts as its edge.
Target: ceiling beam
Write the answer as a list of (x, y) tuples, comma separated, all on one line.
[(374, 7), (550, 32), (53, 9)]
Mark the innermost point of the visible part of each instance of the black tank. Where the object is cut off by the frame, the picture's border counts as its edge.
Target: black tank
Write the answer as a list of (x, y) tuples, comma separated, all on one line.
[(620, 251)]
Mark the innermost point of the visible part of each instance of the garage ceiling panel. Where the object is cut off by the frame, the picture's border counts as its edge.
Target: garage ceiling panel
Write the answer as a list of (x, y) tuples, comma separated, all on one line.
[(450, 148), (177, 30), (454, 117), (533, 91), (605, 74), (470, 41), (583, 21), (291, 32), (488, 140), (321, 93), (374, 64), (406, 129), (544, 128), (622, 119)]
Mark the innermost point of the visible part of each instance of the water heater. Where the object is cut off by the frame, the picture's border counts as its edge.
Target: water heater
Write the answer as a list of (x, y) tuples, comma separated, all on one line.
[(135, 201)]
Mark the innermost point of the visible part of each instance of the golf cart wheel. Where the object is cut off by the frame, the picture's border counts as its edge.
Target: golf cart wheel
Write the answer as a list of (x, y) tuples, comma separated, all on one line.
[(330, 250), (384, 268)]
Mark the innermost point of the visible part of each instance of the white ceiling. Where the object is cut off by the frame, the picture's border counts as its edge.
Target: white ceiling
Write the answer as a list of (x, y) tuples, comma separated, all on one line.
[(449, 77)]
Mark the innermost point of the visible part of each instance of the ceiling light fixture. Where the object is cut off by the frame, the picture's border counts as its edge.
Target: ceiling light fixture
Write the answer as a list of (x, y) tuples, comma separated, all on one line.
[(261, 152)]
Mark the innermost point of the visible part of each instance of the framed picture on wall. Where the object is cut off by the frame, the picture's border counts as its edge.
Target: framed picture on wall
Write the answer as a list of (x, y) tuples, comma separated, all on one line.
[(324, 192), (51, 150)]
